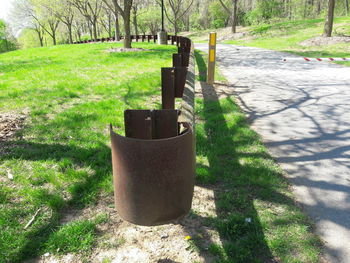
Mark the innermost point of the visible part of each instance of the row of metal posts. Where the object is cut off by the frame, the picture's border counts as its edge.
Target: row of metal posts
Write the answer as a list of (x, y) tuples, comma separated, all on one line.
[(143, 38), (154, 163)]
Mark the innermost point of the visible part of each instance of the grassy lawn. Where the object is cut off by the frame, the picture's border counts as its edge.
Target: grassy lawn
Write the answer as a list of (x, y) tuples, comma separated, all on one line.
[(257, 218), (60, 160), (286, 37)]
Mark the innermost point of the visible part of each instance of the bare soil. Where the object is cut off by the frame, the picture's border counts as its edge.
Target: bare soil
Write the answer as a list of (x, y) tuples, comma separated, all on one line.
[(120, 241), (322, 41), (220, 91), (10, 123), (120, 49)]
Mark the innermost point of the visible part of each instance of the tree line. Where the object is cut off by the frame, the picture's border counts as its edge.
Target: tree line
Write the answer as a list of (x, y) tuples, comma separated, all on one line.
[(51, 22)]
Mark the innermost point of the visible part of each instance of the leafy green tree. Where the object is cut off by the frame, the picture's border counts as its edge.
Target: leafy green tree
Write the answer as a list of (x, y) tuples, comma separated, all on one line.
[(150, 20), (7, 42), (218, 16)]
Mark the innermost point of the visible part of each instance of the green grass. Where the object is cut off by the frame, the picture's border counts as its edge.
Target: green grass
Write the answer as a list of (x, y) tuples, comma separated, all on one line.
[(286, 37), (60, 159), (247, 184), (77, 236), (201, 58)]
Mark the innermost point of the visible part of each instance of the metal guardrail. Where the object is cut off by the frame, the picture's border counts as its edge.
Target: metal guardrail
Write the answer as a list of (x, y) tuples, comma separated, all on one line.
[(143, 38), (154, 164)]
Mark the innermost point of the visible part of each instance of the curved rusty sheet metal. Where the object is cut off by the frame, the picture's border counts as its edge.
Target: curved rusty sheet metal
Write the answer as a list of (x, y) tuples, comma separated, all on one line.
[(153, 179)]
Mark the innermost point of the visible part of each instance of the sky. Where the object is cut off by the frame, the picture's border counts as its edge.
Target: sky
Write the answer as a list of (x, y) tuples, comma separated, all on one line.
[(5, 6)]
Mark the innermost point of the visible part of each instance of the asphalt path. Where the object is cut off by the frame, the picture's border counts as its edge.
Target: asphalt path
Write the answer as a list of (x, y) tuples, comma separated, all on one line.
[(302, 111)]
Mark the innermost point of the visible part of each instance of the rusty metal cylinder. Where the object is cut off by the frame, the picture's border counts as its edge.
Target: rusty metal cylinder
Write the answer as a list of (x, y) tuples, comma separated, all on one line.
[(153, 179)]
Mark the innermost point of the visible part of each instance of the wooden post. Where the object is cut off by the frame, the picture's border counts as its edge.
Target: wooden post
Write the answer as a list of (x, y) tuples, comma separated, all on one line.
[(211, 58)]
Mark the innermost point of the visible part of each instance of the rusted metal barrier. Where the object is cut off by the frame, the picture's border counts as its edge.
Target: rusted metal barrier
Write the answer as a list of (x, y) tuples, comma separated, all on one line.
[(154, 164), (132, 37)]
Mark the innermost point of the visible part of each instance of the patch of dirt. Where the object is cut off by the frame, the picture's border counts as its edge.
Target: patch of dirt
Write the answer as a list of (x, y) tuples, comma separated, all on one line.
[(234, 36), (222, 34), (120, 49), (323, 41), (10, 123), (123, 242), (218, 91)]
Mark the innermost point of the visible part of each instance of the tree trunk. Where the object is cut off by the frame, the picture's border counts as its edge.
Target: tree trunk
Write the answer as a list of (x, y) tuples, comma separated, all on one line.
[(135, 25), (127, 39), (135, 21), (69, 26), (187, 23), (90, 31), (328, 26), (318, 9), (94, 28), (176, 29), (117, 29), (109, 26), (347, 7), (40, 39), (234, 16), (54, 38)]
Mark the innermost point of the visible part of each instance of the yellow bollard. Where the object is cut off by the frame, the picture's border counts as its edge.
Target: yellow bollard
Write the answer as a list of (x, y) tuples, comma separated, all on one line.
[(212, 58)]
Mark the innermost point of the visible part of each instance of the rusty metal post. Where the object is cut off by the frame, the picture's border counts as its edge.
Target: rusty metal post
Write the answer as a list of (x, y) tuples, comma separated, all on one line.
[(138, 124), (168, 88), (177, 60), (151, 124), (211, 58), (185, 59), (180, 81), (165, 123)]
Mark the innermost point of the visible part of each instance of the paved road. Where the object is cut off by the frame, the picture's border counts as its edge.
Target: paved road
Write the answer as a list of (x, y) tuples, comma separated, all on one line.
[(302, 111)]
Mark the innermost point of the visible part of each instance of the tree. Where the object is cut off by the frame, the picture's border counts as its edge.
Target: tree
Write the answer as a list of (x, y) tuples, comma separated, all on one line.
[(125, 13), (23, 16), (347, 6), (90, 9), (111, 6), (7, 42), (232, 13), (150, 20), (64, 11), (106, 20), (328, 26), (178, 9)]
